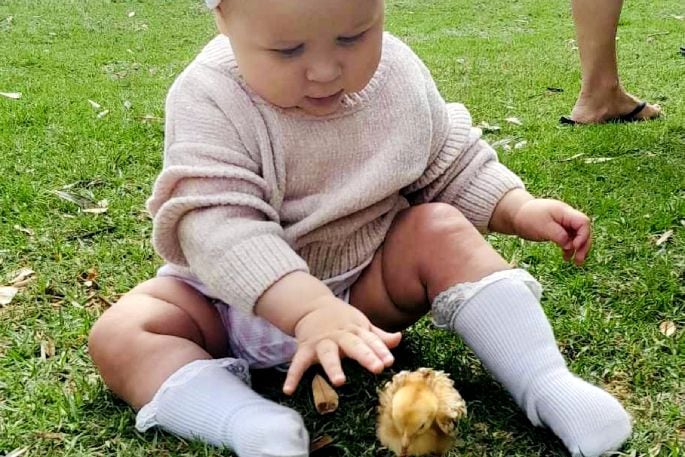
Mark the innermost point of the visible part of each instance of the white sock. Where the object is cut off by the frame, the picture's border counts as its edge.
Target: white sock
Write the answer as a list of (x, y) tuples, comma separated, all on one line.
[(209, 400), (501, 319)]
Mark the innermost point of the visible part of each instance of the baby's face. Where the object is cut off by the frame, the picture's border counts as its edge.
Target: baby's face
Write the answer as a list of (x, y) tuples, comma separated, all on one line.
[(305, 53)]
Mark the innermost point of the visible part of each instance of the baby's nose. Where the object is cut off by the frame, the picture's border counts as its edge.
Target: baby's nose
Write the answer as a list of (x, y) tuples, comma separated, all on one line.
[(324, 71)]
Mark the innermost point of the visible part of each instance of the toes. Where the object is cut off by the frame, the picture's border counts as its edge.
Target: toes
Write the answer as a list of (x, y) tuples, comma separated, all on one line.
[(650, 112)]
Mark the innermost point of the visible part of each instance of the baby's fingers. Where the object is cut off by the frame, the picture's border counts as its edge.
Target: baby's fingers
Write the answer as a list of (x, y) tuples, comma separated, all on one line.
[(329, 357), (380, 343), (360, 349), (303, 359), (391, 340), (568, 254), (582, 249)]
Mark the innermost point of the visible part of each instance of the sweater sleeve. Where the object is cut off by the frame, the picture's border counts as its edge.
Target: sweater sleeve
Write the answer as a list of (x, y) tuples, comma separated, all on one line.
[(212, 209), (463, 170)]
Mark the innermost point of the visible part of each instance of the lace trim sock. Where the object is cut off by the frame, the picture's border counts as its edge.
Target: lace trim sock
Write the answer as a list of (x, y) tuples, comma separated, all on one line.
[(501, 319)]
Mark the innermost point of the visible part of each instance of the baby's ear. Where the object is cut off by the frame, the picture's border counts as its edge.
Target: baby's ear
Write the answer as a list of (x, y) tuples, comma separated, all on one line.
[(220, 21), (221, 15)]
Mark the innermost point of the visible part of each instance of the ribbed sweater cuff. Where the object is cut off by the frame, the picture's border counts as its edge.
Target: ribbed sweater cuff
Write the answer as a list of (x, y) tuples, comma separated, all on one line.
[(478, 200), (248, 269)]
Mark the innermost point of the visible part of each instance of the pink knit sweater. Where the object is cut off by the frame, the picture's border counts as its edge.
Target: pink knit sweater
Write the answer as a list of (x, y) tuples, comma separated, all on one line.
[(250, 192)]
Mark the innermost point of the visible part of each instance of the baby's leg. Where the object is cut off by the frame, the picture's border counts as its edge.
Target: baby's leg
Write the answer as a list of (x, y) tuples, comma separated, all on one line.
[(433, 258), (157, 348)]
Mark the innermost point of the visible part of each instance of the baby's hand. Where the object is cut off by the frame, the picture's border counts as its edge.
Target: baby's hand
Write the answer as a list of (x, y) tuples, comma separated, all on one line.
[(552, 220), (334, 328)]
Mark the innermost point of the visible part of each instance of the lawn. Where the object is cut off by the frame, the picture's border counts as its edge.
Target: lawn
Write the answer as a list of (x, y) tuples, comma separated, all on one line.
[(80, 147)]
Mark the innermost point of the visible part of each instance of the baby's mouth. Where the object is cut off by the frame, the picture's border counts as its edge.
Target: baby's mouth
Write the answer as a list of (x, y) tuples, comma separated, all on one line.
[(325, 101)]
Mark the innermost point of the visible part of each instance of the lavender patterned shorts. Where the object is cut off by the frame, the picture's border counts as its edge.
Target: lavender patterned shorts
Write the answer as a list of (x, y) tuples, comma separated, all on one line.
[(251, 338)]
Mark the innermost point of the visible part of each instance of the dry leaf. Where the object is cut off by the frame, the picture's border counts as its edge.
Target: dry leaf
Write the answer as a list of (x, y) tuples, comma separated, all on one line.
[(668, 328), (618, 385), (50, 435), (102, 114), (95, 210), (131, 14), (598, 159), (94, 104), (487, 128), (325, 398), (21, 276), (481, 427), (22, 284), (150, 118), (573, 157), (88, 279), (101, 207), (86, 204), (81, 202), (12, 95), (127, 104), (47, 349), (514, 120), (106, 301), (25, 230), (663, 238), (520, 144), (680, 18), (320, 442), (652, 35), (17, 452), (91, 274), (7, 294), (503, 142)]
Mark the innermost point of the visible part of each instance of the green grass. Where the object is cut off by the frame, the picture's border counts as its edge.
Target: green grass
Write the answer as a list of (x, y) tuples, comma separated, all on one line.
[(497, 57)]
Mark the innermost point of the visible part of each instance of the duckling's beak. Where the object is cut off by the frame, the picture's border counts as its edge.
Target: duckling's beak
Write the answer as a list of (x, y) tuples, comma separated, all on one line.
[(405, 445)]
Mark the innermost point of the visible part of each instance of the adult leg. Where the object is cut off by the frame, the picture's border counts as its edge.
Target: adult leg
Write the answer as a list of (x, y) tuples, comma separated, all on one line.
[(433, 258), (157, 349), (601, 95)]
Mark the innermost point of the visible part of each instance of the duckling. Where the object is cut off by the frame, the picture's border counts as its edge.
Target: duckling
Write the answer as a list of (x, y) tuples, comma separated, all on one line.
[(417, 413)]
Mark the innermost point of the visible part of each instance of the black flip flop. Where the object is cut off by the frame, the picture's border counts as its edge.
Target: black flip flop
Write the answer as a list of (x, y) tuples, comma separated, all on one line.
[(628, 117)]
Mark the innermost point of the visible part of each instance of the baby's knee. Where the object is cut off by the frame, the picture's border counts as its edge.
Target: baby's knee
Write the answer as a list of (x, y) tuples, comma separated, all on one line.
[(112, 334), (433, 222)]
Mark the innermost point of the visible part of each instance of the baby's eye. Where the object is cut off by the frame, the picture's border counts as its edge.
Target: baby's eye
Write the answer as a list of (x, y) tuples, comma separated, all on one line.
[(348, 40), (290, 52)]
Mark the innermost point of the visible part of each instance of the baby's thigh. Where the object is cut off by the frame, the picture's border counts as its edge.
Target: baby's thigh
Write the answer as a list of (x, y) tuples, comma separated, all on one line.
[(370, 295), (168, 306), (428, 249)]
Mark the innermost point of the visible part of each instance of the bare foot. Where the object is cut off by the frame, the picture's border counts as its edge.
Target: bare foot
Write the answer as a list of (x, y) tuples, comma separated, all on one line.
[(603, 106)]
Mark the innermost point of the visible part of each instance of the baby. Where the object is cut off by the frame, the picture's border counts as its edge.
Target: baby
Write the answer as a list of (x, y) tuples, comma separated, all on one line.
[(317, 194)]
